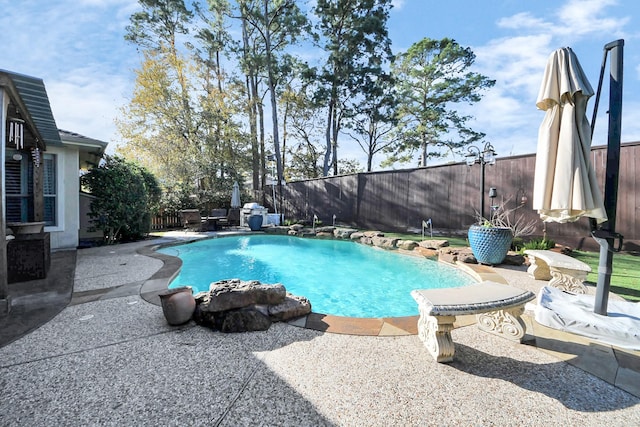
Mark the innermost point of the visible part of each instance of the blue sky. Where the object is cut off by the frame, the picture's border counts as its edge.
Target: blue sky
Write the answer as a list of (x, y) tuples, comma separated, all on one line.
[(77, 48)]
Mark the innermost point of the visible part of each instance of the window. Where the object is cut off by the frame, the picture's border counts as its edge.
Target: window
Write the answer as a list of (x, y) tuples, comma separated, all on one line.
[(50, 189), (19, 188)]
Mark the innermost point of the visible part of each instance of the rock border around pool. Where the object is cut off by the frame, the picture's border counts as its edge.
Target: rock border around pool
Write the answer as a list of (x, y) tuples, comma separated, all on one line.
[(392, 326), (432, 248)]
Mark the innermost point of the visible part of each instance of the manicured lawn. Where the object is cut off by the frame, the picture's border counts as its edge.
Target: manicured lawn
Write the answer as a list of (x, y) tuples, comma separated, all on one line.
[(625, 277)]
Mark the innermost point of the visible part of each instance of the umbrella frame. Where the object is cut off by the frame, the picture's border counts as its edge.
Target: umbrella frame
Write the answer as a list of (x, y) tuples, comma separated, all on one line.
[(606, 235)]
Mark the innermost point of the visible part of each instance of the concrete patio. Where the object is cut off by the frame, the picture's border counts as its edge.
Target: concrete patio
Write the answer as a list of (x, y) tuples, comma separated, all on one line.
[(105, 356)]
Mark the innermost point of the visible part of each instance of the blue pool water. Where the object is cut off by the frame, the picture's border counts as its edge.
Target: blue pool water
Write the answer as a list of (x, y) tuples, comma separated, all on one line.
[(341, 278)]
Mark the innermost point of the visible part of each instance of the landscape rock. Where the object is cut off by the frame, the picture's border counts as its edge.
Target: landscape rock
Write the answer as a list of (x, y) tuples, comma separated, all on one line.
[(451, 255), (467, 257), (296, 227), (366, 240), (293, 306), (276, 229), (240, 306), (434, 244), (206, 318), (384, 242), (427, 253), (343, 233), (407, 245), (357, 235), (325, 229), (324, 235), (245, 320), (373, 234), (234, 293)]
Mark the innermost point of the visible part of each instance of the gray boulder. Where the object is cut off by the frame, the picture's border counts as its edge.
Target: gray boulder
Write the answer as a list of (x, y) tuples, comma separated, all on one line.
[(244, 320), (407, 245), (384, 242), (234, 293), (293, 306), (343, 233), (434, 244)]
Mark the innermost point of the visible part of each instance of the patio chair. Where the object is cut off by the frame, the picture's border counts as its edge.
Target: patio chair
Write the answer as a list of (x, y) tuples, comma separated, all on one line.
[(191, 219), (217, 219)]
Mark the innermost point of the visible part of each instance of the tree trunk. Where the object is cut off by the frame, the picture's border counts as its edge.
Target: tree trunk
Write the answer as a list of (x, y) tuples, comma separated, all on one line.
[(272, 92), (334, 142), (327, 153), (252, 111)]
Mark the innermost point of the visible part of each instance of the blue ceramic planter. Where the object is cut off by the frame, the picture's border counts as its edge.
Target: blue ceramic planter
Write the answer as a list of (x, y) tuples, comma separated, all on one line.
[(255, 222), (489, 244)]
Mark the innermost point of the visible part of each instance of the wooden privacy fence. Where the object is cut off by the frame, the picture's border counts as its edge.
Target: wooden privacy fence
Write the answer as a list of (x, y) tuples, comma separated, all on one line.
[(449, 194), (166, 220)]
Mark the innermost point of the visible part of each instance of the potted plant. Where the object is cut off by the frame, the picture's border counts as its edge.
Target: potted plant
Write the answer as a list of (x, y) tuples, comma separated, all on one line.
[(490, 239)]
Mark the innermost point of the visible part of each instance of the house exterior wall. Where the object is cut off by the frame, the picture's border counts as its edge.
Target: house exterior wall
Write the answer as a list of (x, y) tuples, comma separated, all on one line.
[(65, 234)]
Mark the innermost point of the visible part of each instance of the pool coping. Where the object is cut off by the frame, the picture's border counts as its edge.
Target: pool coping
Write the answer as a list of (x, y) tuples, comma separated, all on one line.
[(382, 327)]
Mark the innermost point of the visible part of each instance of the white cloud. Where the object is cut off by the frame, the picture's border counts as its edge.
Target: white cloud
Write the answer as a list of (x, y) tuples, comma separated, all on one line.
[(580, 17), (397, 4), (87, 105), (81, 56), (522, 20), (507, 114), (515, 63)]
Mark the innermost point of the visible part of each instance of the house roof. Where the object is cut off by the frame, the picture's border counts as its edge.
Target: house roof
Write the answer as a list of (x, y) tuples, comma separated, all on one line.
[(77, 139), (30, 96), (90, 150)]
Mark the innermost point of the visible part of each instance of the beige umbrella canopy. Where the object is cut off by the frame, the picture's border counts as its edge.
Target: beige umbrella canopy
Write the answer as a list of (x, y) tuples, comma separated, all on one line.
[(565, 187), (235, 196)]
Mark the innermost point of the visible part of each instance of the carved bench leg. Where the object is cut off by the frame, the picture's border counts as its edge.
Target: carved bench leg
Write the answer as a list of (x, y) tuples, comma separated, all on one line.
[(538, 269), (504, 323), (568, 280), (435, 333)]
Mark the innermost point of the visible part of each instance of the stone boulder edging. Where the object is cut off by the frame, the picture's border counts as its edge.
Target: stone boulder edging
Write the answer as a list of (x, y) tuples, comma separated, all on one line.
[(241, 306), (431, 248)]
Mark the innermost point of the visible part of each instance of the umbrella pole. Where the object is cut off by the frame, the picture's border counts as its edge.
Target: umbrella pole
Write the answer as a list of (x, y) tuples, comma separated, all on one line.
[(606, 235)]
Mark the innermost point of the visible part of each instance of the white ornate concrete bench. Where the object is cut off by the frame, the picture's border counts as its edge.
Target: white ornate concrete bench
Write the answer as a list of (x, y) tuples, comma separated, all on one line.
[(562, 271), (497, 308)]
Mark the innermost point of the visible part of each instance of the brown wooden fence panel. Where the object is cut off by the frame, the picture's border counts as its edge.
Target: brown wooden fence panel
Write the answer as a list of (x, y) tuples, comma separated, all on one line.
[(166, 221), (448, 194)]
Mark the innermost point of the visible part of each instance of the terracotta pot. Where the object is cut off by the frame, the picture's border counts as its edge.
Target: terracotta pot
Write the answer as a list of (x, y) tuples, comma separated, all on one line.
[(178, 305)]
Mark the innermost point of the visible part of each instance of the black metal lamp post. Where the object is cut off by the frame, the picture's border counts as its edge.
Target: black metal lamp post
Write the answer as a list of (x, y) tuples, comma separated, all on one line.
[(485, 156)]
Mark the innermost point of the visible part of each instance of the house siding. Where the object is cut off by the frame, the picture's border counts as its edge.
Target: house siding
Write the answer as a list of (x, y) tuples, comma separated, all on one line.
[(65, 234)]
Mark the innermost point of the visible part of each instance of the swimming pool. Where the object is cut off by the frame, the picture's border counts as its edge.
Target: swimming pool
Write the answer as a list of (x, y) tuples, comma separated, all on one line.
[(339, 277)]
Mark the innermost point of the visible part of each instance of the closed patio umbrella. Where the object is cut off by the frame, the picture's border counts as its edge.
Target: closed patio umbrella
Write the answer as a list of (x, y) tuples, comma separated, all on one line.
[(565, 187), (235, 196)]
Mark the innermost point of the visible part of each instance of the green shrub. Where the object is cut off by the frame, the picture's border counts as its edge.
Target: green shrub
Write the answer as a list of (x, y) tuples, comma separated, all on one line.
[(517, 244), (125, 196), (539, 244)]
